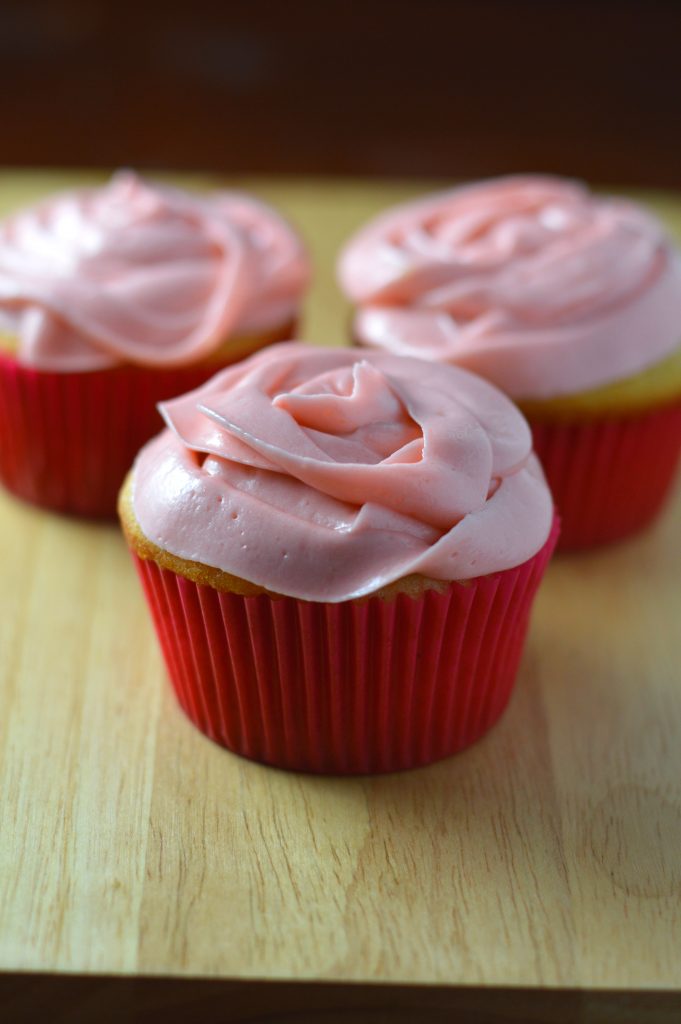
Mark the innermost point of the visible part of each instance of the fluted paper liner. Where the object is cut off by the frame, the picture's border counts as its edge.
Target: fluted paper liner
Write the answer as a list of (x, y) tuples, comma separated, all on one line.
[(609, 477), (363, 686), (68, 439)]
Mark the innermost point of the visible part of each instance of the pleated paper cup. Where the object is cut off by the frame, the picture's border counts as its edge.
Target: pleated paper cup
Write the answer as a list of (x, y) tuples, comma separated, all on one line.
[(68, 439), (370, 685), (610, 476)]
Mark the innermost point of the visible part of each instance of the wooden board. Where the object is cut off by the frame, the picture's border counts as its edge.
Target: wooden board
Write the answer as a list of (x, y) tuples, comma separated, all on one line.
[(548, 855)]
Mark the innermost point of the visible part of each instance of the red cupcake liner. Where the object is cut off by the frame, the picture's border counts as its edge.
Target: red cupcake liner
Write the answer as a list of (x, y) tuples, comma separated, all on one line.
[(351, 688), (68, 439), (609, 477)]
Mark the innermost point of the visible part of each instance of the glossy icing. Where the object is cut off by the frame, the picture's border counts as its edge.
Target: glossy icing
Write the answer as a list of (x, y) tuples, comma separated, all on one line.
[(326, 474), (533, 282), (141, 273)]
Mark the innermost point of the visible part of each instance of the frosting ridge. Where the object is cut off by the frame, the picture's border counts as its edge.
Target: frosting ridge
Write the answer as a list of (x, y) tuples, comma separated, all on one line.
[(326, 474), (135, 272), (530, 281)]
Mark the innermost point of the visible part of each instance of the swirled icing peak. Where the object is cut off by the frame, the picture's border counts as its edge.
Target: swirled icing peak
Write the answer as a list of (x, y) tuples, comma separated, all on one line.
[(326, 474), (140, 273), (530, 281)]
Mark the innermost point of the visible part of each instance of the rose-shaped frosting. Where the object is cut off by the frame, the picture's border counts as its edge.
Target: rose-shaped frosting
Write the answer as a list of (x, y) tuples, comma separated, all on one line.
[(325, 474), (146, 274), (530, 281)]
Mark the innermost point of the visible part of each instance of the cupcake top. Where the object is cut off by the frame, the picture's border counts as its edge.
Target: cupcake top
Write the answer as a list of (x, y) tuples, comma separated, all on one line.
[(326, 474), (146, 274), (530, 281)]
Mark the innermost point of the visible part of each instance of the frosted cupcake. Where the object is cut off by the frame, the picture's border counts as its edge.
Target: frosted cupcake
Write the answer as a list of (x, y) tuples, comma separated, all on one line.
[(569, 302), (114, 298), (340, 553)]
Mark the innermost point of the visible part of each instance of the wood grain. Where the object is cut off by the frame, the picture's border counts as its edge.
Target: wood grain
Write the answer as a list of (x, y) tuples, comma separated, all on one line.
[(548, 855)]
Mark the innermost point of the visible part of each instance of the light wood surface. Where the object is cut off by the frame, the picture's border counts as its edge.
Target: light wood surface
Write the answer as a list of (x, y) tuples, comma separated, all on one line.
[(548, 855)]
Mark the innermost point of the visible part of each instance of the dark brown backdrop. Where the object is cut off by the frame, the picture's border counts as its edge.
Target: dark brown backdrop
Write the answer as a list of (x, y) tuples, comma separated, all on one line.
[(408, 87)]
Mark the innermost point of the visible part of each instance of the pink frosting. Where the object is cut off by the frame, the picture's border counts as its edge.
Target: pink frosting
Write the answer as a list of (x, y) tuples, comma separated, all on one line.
[(325, 474), (530, 281), (146, 274)]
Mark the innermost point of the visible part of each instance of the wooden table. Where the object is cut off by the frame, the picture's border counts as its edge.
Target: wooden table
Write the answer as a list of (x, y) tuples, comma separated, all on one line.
[(535, 878)]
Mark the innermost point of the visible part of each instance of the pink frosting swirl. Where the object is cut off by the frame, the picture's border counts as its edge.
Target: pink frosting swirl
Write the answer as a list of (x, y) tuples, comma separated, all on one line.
[(146, 274), (530, 281), (325, 474)]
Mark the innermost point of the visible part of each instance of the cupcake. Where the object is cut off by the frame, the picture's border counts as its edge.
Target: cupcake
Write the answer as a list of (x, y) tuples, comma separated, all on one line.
[(114, 298), (340, 552), (569, 302)]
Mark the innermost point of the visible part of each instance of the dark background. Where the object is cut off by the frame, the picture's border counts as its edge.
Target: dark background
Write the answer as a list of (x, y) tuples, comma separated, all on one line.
[(424, 87)]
